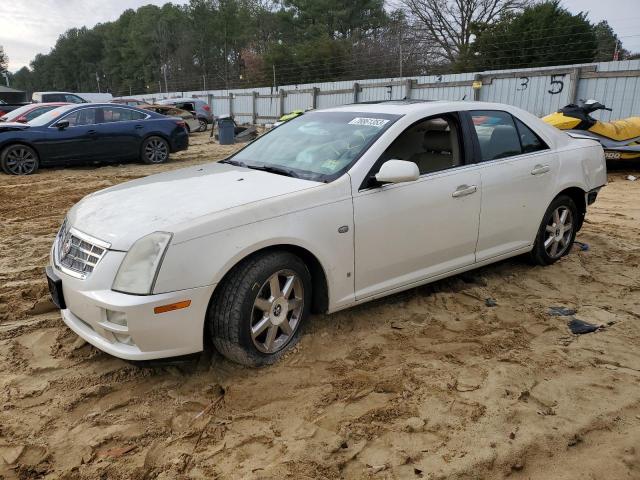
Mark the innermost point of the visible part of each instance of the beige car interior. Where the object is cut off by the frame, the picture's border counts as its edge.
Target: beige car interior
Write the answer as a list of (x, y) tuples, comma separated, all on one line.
[(433, 145)]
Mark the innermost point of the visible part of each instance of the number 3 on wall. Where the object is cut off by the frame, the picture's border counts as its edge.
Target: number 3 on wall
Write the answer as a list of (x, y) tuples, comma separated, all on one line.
[(556, 84)]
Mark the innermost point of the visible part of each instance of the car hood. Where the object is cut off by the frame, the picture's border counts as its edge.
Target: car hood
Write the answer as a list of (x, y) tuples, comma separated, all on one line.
[(168, 201), (12, 126)]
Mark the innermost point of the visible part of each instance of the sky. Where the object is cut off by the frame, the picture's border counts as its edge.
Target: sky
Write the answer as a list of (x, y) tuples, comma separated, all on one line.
[(29, 27)]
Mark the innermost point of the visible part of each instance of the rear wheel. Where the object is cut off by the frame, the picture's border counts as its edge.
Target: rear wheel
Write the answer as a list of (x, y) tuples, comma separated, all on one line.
[(557, 231), (203, 125), (155, 150), (256, 313), (19, 160)]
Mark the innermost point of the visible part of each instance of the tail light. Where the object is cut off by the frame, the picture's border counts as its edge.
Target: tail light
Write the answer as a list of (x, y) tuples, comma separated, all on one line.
[(207, 108)]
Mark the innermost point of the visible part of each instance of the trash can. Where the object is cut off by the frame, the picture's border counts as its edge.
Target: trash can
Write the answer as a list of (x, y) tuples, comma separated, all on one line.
[(226, 130)]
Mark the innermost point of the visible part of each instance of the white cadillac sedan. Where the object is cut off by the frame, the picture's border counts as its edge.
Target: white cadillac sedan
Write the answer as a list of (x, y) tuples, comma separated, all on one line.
[(329, 210)]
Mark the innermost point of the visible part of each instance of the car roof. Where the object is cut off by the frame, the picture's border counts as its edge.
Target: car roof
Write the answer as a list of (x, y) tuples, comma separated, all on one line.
[(403, 107)]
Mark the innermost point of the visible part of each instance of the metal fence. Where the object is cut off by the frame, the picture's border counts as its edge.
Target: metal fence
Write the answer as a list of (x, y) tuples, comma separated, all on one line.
[(538, 90)]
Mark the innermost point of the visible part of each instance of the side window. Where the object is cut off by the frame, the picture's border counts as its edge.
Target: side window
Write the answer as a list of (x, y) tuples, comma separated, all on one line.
[(497, 134), (70, 98), (529, 140), (86, 116), (121, 115), (53, 97), (433, 144)]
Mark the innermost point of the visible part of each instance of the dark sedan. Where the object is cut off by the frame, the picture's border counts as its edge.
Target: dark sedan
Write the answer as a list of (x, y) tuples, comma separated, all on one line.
[(94, 132)]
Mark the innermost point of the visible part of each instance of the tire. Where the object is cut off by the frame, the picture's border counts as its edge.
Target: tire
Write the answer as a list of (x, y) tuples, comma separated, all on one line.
[(203, 125), (19, 159), (555, 235), (247, 320), (155, 150)]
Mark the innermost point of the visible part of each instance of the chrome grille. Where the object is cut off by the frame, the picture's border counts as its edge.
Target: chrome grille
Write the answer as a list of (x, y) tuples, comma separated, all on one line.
[(77, 253)]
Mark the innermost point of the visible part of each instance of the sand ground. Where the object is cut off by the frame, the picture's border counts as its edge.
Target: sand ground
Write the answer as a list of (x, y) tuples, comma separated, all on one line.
[(430, 383)]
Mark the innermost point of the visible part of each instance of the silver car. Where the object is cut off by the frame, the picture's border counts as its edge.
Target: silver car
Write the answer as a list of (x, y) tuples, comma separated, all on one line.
[(199, 108)]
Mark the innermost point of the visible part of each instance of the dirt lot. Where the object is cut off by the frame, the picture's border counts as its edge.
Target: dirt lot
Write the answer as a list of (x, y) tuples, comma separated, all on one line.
[(431, 383)]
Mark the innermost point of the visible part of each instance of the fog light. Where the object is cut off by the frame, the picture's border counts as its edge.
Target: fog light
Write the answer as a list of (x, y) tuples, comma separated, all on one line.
[(119, 318)]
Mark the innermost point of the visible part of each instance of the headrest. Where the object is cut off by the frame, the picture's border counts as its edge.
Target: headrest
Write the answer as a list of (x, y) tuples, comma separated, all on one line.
[(436, 124), (437, 141)]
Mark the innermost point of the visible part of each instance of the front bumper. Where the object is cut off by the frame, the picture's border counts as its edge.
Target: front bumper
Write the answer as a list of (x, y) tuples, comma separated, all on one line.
[(126, 326), (146, 335)]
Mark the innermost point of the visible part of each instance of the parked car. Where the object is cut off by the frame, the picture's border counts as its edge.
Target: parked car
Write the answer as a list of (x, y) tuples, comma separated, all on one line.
[(9, 107), (93, 97), (132, 102), (89, 133), (331, 209), (200, 108), (191, 122), (29, 112), (50, 97)]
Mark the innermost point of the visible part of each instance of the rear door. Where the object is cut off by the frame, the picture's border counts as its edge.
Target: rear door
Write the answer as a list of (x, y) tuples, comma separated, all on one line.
[(120, 131), (517, 172)]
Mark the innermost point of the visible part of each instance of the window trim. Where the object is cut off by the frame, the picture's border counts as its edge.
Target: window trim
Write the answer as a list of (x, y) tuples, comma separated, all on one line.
[(147, 116), (465, 146), (476, 140)]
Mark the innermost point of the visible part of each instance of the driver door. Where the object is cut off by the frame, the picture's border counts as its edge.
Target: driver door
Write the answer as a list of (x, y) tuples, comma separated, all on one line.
[(406, 233)]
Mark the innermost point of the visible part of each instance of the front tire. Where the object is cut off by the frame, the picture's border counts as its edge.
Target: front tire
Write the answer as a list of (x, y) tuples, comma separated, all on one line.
[(155, 150), (203, 125), (257, 312), (557, 231), (19, 160)]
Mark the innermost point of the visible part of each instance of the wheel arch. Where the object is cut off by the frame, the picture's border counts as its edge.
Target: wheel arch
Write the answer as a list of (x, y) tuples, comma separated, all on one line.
[(320, 287), (11, 142), (577, 194)]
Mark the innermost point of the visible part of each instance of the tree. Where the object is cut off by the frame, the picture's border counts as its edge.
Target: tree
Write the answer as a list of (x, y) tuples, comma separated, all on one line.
[(609, 45), (4, 60), (541, 35), (448, 26)]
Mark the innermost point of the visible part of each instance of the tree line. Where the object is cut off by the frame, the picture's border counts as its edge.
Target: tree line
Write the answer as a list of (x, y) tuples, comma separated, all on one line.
[(216, 44)]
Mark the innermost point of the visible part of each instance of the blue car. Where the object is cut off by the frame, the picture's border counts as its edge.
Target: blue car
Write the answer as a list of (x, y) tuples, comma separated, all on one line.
[(90, 132)]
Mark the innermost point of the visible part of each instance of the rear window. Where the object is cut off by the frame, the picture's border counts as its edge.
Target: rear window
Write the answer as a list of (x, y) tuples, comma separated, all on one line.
[(500, 135)]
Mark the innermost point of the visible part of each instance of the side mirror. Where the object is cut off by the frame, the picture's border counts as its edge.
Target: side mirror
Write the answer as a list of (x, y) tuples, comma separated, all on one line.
[(397, 171), (21, 119), (62, 125)]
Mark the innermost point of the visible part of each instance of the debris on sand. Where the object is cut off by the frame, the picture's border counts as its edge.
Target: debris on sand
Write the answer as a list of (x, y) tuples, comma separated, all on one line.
[(580, 327), (561, 311)]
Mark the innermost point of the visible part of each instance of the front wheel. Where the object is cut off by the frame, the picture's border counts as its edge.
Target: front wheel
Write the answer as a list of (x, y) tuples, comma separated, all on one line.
[(19, 160), (203, 125), (557, 231), (155, 150), (257, 311)]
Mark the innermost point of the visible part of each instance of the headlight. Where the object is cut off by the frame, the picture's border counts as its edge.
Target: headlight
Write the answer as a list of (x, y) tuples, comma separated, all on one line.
[(138, 271)]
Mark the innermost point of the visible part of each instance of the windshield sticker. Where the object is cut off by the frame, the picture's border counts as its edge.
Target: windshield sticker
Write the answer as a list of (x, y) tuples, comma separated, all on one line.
[(369, 122)]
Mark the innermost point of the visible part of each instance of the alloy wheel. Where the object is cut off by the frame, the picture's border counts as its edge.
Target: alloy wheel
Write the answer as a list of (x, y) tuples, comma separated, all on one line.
[(277, 311), (156, 150), (21, 161), (558, 232), (203, 125)]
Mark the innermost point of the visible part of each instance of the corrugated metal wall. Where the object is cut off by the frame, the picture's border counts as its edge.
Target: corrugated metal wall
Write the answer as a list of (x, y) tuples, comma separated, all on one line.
[(537, 90)]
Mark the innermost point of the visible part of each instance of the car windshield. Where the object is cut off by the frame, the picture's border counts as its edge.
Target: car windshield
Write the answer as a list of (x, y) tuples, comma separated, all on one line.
[(50, 116), (318, 146)]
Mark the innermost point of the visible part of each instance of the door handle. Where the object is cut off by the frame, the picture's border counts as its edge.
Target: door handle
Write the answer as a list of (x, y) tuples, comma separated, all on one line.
[(92, 132), (138, 126), (464, 190), (540, 169)]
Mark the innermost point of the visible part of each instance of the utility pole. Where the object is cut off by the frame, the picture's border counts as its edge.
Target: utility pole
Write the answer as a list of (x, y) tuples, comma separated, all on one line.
[(616, 52), (204, 82), (98, 81), (400, 47), (6, 78), (163, 69), (274, 76)]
